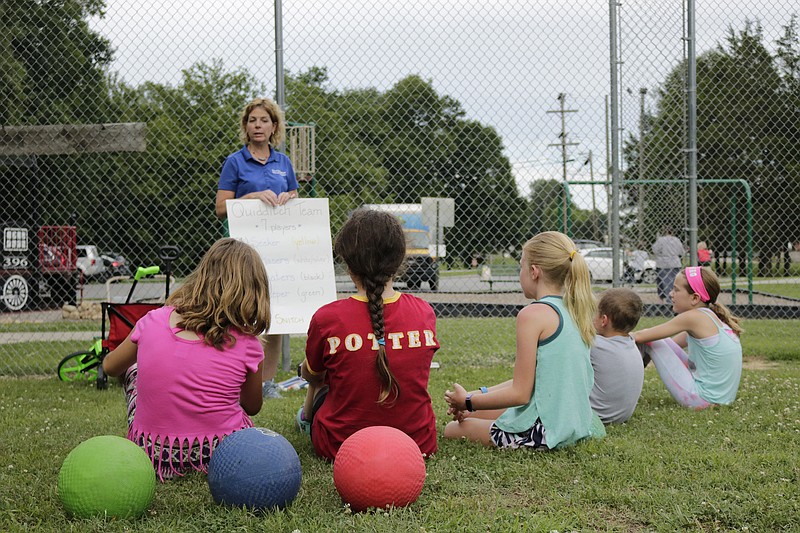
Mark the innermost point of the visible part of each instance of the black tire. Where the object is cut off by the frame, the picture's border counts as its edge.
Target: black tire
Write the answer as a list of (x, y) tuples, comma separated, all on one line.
[(15, 292), (413, 283), (102, 378), (63, 290), (79, 366), (434, 283)]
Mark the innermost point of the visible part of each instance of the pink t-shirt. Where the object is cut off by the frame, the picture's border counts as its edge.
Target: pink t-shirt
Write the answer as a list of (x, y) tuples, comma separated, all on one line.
[(188, 391)]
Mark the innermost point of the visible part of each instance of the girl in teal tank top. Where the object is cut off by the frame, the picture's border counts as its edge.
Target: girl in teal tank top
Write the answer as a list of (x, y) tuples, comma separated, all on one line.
[(546, 403), (709, 373)]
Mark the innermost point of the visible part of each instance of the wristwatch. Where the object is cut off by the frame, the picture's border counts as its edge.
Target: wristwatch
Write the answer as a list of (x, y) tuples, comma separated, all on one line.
[(468, 403)]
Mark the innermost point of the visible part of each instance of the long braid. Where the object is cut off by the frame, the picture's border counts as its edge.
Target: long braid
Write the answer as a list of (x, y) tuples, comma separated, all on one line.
[(373, 246), (389, 386)]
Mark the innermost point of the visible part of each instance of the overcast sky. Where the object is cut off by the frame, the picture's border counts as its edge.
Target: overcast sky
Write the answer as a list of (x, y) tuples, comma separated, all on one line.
[(505, 61)]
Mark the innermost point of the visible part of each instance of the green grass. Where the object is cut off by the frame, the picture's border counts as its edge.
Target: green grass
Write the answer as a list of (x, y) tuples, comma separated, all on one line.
[(790, 290), (470, 341), (56, 325), (38, 357), (729, 469), (667, 469)]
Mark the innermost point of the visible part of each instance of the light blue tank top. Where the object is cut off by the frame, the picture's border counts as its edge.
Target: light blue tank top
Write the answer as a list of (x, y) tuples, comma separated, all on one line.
[(564, 379), (717, 366)]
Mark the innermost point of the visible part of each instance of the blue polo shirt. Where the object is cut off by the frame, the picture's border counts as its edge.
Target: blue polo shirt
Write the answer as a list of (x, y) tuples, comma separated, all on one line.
[(242, 174)]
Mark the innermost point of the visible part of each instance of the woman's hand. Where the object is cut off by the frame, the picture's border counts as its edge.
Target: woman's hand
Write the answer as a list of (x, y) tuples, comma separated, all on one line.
[(285, 197), (456, 399), (270, 198)]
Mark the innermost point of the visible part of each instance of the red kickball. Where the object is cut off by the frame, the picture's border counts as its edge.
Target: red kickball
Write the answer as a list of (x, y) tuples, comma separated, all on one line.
[(379, 466)]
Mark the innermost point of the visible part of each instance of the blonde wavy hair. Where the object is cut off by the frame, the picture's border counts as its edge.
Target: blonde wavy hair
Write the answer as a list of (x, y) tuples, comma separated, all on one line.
[(553, 253), (228, 289), (275, 113)]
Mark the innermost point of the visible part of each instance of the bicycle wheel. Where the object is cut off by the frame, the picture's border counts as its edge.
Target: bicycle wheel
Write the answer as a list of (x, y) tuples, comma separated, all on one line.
[(79, 366)]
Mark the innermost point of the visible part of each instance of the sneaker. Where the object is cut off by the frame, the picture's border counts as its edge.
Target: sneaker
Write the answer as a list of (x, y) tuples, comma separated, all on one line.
[(302, 424), (269, 390)]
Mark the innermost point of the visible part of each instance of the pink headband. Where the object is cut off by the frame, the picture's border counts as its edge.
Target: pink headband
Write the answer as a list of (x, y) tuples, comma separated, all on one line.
[(695, 278)]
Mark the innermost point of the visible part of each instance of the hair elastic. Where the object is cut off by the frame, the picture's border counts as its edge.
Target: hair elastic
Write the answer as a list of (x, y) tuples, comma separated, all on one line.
[(695, 278), (382, 341), (572, 254)]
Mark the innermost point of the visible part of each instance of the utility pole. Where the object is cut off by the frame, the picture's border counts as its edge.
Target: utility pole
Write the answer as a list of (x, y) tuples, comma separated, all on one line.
[(640, 196), (563, 144), (595, 229), (608, 176)]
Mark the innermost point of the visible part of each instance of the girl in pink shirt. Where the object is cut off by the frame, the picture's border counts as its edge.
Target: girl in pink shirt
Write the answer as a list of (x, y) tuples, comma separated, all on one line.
[(192, 369)]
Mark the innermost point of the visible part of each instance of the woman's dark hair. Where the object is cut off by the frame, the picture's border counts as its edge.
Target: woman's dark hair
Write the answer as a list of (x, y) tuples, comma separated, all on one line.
[(373, 246)]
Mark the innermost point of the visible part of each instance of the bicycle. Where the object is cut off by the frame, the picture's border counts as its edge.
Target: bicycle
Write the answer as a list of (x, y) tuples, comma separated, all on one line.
[(87, 365)]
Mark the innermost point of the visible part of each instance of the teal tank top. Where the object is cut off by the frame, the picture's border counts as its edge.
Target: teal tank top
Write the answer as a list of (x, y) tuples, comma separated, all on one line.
[(717, 367), (564, 379)]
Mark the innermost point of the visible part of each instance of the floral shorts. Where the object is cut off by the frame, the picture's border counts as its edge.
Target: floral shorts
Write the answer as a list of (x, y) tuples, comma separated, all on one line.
[(531, 438)]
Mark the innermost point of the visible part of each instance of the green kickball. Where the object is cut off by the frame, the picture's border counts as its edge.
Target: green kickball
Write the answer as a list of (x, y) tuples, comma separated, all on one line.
[(106, 476)]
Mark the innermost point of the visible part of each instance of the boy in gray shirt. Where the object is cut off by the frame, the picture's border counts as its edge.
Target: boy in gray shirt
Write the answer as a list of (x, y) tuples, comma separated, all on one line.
[(617, 363)]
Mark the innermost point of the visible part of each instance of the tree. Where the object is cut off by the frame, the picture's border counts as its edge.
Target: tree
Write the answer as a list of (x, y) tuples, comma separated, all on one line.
[(746, 129), (170, 188), (404, 144), (51, 62)]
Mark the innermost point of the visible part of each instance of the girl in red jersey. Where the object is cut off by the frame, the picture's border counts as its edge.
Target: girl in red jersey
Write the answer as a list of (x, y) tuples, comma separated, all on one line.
[(368, 357)]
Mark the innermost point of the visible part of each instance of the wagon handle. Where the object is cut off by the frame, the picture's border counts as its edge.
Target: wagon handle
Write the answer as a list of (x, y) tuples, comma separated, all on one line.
[(140, 273)]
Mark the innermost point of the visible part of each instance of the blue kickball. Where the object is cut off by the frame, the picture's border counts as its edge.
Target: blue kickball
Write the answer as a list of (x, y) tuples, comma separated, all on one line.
[(254, 468)]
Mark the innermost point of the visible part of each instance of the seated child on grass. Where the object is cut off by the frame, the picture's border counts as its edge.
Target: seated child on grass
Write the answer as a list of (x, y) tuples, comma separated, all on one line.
[(546, 403), (707, 373), (192, 369), (617, 363), (368, 357)]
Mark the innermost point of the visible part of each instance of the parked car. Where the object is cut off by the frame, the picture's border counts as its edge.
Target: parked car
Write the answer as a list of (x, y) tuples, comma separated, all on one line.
[(90, 262), (601, 265), (115, 264), (587, 244)]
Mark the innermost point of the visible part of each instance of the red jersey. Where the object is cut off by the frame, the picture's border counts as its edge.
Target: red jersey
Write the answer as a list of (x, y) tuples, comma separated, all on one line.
[(341, 344)]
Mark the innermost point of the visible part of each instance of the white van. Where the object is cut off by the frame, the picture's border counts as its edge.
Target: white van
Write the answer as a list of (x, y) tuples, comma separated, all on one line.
[(89, 261)]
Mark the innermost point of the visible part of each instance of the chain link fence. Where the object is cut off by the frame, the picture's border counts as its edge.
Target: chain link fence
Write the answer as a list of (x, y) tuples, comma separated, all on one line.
[(116, 117)]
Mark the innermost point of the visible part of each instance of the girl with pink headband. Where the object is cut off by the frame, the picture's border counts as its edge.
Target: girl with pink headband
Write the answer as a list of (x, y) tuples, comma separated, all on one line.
[(709, 373)]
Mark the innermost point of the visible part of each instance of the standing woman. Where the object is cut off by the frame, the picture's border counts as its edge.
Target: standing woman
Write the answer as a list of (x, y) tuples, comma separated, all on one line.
[(259, 171)]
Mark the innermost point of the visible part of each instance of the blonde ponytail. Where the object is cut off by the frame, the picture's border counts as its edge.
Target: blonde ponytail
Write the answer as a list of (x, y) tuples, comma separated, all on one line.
[(579, 298), (711, 284), (556, 255), (726, 316)]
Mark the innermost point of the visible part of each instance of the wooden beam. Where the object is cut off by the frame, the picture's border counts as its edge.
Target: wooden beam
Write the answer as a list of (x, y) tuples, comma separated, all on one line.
[(67, 139)]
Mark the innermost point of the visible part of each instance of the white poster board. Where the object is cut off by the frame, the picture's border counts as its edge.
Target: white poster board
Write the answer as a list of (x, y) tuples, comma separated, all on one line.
[(294, 241), (437, 214)]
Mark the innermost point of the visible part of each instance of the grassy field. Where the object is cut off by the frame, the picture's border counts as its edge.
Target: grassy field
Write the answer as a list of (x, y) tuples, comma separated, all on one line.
[(728, 469), (789, 290), (473, 341)]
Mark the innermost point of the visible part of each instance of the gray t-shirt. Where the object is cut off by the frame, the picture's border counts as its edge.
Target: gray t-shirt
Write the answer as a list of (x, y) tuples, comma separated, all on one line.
[(618, 378), (668, 251)]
